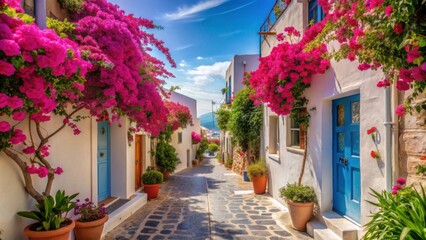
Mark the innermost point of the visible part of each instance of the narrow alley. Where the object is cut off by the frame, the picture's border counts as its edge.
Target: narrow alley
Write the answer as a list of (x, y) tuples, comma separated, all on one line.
[(207, 202)]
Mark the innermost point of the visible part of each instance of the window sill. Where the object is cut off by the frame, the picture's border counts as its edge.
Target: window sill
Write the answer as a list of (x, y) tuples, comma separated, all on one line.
[(274, 157), (296, 150)]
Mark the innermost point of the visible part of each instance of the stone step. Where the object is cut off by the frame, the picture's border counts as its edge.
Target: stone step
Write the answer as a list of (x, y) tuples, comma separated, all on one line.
[(341, 226), (325, 234)]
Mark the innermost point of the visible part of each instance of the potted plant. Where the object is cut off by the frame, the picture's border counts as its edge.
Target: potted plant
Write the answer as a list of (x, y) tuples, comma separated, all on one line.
[(300, 202), (213, 147), (258, 173), (228, 163), (51, 216), (90, 224), (166, 158), (152, 180)]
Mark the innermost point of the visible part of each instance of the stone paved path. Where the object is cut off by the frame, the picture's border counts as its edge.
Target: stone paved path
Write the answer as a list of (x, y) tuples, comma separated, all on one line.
[(207, 202)]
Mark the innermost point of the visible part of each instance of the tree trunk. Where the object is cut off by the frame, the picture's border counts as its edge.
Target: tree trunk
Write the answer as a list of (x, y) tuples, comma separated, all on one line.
[(305, 153)]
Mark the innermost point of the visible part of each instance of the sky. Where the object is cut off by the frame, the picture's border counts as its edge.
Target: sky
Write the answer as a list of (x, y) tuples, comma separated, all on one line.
[(203, 36)]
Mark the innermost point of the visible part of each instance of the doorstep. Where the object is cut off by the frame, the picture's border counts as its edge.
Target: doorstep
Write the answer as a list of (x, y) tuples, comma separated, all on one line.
[(122, 213), (334, 227)]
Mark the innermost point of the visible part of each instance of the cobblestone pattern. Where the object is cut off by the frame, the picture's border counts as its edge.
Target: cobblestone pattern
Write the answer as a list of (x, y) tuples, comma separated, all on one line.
[(186, 210)]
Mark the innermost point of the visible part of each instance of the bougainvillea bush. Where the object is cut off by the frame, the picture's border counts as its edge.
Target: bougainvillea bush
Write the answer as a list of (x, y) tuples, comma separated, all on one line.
[(196, 137), (282, 76), (389, 35), (105, 68)]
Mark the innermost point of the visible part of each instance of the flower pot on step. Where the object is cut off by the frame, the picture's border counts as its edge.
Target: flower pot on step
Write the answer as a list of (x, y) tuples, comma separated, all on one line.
[(151, 190), (90, 230), (300, 214), (166, 175), (259, 184), (62, 233)]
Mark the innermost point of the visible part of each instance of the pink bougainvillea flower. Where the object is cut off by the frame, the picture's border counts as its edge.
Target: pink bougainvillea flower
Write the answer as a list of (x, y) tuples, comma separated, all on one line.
[(413, 54), (9, 47), (58, 171), (397, 187), (6, 68), (15, 102), (405, 75), (371, 130), (402, 86), (29, 150), (398, 28), (32, 170), (280, 37), (418, 74), (394, 192), (42, 172), (383, 83), (44, 150), (19, 116), (400, 110), (388, 10), (351, 56), (3, 100), (401, 181), (4, 126), (18, 137)]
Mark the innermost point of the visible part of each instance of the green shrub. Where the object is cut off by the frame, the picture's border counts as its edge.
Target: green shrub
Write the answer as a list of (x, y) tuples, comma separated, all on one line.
[(213, 147), (166, 156), (229, 162), (152, 177), (399, 216), (257, 169), (298, 193)]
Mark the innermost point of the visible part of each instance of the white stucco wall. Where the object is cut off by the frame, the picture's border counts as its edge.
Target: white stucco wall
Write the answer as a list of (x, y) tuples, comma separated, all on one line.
[(67, 151), (342, 79), (238, 66)]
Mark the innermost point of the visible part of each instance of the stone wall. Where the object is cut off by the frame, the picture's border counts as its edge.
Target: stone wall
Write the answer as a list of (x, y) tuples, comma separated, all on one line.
[(238, 161), (412, 145)]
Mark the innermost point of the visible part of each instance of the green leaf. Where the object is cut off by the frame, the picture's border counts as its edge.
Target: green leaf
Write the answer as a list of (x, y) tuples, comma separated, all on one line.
[(32, 215), (404, 233), (46, 225)]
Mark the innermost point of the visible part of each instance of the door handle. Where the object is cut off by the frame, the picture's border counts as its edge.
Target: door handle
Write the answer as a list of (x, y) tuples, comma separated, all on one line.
[(343, 161)]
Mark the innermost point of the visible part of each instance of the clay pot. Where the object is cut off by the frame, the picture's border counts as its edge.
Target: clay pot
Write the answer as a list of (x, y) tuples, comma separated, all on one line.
[(151, 190), (300, 214), (89, 230), (62, 233), (166, 175), (259, 184)]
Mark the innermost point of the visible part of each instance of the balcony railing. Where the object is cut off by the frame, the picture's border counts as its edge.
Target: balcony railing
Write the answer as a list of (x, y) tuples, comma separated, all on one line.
[(277, 10)]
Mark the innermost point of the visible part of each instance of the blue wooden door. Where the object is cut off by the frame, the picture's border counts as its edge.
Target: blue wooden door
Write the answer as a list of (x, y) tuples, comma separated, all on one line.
[(346, 161), (104, 163)]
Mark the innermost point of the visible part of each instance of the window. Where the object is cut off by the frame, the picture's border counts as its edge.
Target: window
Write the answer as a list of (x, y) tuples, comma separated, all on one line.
[(274, 135), (297, 135), (315, 12), (180, 137)]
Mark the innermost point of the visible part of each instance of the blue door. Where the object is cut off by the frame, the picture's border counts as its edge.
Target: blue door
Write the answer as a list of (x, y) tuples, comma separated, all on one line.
[(104, 164), (346, 166)]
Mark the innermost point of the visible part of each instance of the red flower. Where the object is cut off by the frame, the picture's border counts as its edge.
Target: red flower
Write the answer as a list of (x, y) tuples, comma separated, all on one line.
[(373, 154), (401, 181), (398, 28), (371, 130)]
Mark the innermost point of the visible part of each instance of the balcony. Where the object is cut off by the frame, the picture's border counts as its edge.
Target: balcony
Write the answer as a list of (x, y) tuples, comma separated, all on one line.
[(277, 10)]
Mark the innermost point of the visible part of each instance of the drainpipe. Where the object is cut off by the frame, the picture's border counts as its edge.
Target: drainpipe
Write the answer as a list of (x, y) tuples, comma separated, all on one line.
[(388, 139), (40, 13), (395, 139)]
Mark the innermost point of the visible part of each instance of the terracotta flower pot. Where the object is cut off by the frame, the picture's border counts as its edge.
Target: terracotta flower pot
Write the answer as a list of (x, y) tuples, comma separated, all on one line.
[(300, 214), (62, 233), (90, 230), (259, 184), (151, 190), (166, 175)]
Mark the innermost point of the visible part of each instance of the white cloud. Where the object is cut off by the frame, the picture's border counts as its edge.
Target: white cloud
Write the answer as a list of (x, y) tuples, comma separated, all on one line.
[(183, 64), (206, 73), (191, 11), (183, 47), (200, 58)]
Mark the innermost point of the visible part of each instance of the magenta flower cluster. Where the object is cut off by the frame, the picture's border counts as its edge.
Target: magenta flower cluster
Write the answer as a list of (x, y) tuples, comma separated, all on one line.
[(179, 115), (196, 137), (87, 211), (287, 65), (400, 182)]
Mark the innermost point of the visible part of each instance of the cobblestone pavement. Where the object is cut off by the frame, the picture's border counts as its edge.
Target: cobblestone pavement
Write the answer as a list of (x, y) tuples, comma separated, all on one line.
[(207, 202)]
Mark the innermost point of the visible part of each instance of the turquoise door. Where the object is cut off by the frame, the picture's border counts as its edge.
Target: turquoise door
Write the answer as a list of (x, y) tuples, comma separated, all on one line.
[(346, 166), (104, 163)]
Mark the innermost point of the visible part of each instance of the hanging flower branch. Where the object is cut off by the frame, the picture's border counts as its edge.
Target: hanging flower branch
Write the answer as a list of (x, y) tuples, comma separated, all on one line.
[(196, 137), (381, 34), (374, 135)]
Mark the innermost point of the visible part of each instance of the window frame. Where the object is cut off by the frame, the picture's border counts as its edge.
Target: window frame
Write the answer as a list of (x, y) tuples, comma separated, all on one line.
[(274, 136), (318, 15), (180, 137)]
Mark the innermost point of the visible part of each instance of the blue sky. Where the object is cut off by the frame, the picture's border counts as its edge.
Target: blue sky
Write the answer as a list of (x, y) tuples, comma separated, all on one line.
[(202, 36)]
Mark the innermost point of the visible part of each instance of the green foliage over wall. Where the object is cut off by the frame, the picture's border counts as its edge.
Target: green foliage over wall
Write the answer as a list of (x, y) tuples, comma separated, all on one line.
[(245, 122), (223, 116), (71, 5)]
